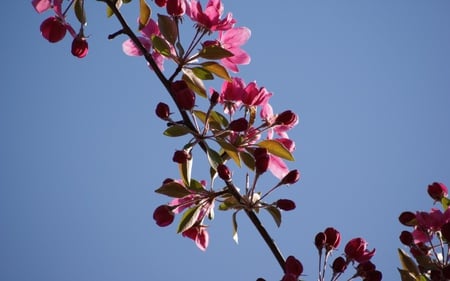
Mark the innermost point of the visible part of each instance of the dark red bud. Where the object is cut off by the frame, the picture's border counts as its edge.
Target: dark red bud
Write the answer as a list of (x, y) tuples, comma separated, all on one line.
[(80, 47), (285, 204), (446, 271), (183, 95), (176, 8), (437, 190), (373, 275), (53, 29), (287, 118), (339, 265), (406, 238), (445, 230), (320, 241), (167, 180), (293, 266), (161, 3), (224, 172), (333, 238), (261, 160), (408, 218), (181, 156), (163, 215), (214, 98), (292, 177), (238, 125), (162, 111)]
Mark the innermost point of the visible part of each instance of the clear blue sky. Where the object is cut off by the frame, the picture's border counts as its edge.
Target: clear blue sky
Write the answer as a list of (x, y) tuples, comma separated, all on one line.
[(81, 151)]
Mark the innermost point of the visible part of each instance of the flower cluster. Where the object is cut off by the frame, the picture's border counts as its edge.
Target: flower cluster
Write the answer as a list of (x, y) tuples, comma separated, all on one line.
[(55, 27), (428, 240)]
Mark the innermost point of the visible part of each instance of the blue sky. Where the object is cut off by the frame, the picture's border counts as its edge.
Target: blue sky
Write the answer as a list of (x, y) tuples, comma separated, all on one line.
[(81, 150)]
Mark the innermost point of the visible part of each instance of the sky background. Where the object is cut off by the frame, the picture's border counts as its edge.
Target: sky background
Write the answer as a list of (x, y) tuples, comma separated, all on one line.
[(81, 151)]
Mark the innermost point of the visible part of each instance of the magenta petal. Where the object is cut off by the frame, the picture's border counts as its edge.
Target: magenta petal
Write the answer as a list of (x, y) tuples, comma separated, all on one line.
[(41, 5), (202, 239), (277, 167), (130, 49)]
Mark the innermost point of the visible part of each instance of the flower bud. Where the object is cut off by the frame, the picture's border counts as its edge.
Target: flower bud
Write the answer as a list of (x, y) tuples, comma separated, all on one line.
[(293, 266), (356, 250), (238, 125), (162, 111), (446, 271), (445, 230), (406, 238), (224, 172), (80, 47), (53, 29), (176, 8), (287, 118), (161, 3), (408, 218), (333, 238), (184, 97), (285, 204), (214, 98), (261, 160), (163, 216), (181, 156), (320, 241), (339, 265), (437, 190), (291, 177)]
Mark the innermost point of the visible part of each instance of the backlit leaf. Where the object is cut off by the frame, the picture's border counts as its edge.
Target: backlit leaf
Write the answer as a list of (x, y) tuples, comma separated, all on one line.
[(185, 171), (144, 14), (176, 131), (235, 227), (219, 118), (408, 263), (445, 202), (217, 69), (160, 45), (202, 73), (214, 52), (189, 218), (173, 189), (168, 28), (193, 82), (80, 13), (231, 150), (213, 158), (406, 276), (248, 159), (276, 148), (276, 214)]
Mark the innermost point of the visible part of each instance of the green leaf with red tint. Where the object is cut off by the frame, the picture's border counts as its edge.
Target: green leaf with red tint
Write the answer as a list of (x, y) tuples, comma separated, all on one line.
[(276, 148), (275, 213), (176, 131), (214, 52), (193, 82), (202, 73), (231, 150), (217, 70), (248, 159), (173, 189), (189, 218), (168, 28), (80, 13), (160, 45)]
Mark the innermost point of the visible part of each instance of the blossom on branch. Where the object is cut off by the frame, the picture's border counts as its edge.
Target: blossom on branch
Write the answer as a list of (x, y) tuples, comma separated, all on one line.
[(210, 17)]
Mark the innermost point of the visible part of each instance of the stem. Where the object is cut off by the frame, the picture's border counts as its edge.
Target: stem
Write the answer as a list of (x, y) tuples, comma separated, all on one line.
[(188, 122)]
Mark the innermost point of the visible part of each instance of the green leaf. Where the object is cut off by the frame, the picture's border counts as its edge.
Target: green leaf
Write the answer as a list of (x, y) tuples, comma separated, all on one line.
[(213, 124), (160, 45), (196, 186), (217, 69), (189, 218), (276, 214), (214, 52), (109, 11), (276, 148), (231, 150), (202, 73), (248, 159), (194, 83), (235, 227), (168, 28), (185, 171), (213, 158), (445, 202), (126, 1), (406, 276), (408, 263), (173, 189), (144, 14), (219, 118), (80, 13), (176, 131)]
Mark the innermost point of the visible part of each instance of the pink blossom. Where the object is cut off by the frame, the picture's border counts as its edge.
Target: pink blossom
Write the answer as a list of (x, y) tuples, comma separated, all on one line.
[(130, 49), (232, 40), (255, 96), (199, 234), (209, 18), (43, 5), (277, 165), (231, 95)]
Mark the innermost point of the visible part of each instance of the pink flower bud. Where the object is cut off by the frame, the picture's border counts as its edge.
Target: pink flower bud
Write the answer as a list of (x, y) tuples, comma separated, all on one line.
[(238, 125), (339, 265), (184, 97), (285, 204), (291, 177), (163, 215), (408, 218), (162, 111), (261, 160), (437, 190), (224, 172), (181, 156), (80, 47), (406, 238), (333, 238), (287, 118), (53, 29), (293, 266), (176, 8)]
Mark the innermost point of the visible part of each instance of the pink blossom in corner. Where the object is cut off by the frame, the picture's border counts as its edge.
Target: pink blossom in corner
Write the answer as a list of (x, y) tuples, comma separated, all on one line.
[(150, 29), (232, 40), (209, 18)]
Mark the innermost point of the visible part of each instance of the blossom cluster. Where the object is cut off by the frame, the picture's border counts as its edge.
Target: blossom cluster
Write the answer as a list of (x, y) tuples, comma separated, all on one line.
[(428, 240)]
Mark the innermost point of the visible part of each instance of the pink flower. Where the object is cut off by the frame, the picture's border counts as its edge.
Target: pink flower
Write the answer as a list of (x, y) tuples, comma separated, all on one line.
[(255, 96), (232, 40), (199, 234), (276, 165), (43, 5), (231, 95), (150, 29), (356, 249), (209, 18)]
